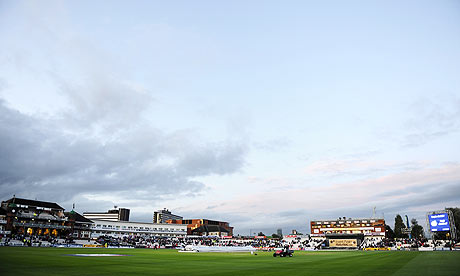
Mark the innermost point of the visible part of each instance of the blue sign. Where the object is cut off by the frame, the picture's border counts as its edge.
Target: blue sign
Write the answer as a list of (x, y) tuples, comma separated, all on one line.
[(439, 222)]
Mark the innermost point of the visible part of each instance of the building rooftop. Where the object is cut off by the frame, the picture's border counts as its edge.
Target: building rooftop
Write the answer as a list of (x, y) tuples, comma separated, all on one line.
[(134, 222), (340, 219), (77, 217), (35, 203), (210, 228)]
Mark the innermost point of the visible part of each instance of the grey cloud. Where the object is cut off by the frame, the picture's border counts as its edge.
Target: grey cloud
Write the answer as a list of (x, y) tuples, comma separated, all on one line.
[(292, 213), (414, 202), (409, 202), (100, 145), (104, 100), (215, 206), (92, 82), (432, 119), (39, 159), (428, 187), (418, 139), (425, 195), (212, 159)]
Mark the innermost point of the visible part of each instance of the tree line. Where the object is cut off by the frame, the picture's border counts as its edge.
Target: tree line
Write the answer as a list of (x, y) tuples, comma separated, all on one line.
[(417, 230)]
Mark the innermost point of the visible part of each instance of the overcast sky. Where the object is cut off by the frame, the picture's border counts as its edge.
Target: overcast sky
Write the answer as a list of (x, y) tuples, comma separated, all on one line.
[(266, 114)]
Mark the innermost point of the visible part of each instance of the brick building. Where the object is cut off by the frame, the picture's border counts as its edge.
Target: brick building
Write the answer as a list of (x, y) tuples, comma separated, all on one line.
[(192, 224)]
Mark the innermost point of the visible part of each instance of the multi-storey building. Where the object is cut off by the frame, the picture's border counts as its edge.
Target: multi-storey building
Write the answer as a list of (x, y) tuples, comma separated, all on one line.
[(41, 218), (193, 224), (125, 228), (34, 217), (367, 227), (116, 214), (80, 226), (279, 232), (3, 221), (161, 216), (211, 230)]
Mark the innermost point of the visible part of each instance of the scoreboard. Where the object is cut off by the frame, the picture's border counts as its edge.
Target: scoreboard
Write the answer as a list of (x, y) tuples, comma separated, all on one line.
[(439, 222)]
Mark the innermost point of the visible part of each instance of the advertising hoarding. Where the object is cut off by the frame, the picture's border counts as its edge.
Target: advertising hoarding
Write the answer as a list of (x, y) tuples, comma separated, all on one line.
[(343, 243)]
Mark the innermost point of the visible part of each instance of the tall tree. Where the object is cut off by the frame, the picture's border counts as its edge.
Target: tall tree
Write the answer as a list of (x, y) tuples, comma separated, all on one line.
[(456, 219), (389, 234), (456, 215), (399, 225), (417, 230)]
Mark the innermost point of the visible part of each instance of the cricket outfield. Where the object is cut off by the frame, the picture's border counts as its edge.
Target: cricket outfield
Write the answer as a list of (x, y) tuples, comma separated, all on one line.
[(60, 261)]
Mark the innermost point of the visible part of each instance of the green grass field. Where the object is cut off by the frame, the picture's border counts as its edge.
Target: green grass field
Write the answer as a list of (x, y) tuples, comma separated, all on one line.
[(54, 261)]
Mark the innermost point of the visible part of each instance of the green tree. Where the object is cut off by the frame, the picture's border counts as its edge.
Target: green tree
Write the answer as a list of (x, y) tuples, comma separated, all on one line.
[(456, 213), (275, 236), (417, 230), (389, 234), (443, 235), (261, 234), (399, 225)]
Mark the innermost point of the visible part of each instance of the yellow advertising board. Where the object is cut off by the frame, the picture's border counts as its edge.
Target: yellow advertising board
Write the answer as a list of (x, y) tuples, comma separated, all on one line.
[(93, 245), (343, 243), (377, 249)]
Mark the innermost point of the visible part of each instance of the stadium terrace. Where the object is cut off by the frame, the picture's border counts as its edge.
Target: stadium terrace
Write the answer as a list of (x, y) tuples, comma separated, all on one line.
[(26, 222)]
